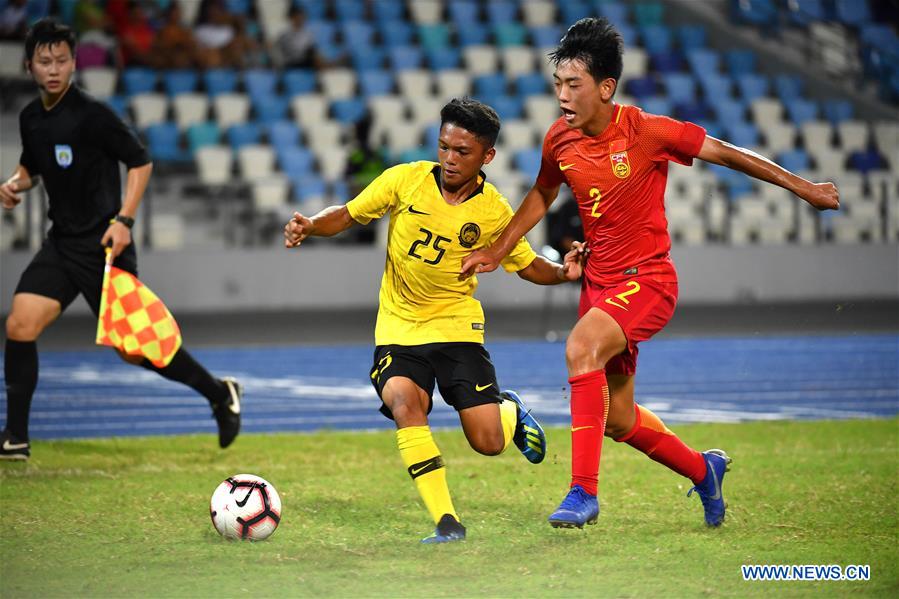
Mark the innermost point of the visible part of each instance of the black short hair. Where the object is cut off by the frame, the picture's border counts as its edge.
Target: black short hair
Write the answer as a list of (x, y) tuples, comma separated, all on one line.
[(48, 31), (473, 116), (596, 43)]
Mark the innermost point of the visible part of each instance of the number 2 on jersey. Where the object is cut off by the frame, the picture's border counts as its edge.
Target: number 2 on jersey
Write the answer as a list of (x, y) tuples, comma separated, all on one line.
[(634, 288), (594, 193)]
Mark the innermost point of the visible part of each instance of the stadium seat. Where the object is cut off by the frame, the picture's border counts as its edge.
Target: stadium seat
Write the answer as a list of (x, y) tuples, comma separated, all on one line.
[(260, 83), (635, 63), (886, 137), (573, 11), (323, 134), (269, 109), (788, 87), (396, 33), (490, 85), (414, 83), (203, 134), (282, 133), (517, 60), (255, 162), (368, 58), (375, 83), (299, 81), (453, 83), (715, 87), (163, 143), (180, 81), (752, 86), (243, 134), (425, 110), (426, 11), (480, 60), (741, 134), (538, 13), (295, 161), (656, 38), (507, 107), (220, 81), (649, 13), (100, 82), (837, 111), (852, 12), (866, 160), (403, 136), (641, 87), (740, 62), (509, 34), (680, 87), (462, 13), (338, 83), (801, 111), (779, 137), (501, 11), (190, 109), (473, 34), (270, 194), (671, 61), (767, 112), (794, 160), (357, 34), (531, 84), (528, 161), (695, 111), (516, 135), (691, 37), (615, 12), (349, 111), (805, 12), (138, 80), (816, 134), (657, 105), (434, 36), (332, 163), (854, 136), (703, 61), (230, 109), (547, 36), (542, 109), (310, 192), (439, 59), (755, 12), (149, 109), (405, 57), (324, 32)]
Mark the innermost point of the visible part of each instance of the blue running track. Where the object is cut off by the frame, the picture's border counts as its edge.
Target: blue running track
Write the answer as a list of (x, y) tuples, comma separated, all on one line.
[(93, 394)]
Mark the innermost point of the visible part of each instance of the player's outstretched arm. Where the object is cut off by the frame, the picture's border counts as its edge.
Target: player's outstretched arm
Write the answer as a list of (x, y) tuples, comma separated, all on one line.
[(533, 208), (328, 222), (823, 196), (546, 272), (9, 190)]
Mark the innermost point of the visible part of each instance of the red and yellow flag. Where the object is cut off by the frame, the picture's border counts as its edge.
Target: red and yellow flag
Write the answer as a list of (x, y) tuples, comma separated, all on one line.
[(135, 321)]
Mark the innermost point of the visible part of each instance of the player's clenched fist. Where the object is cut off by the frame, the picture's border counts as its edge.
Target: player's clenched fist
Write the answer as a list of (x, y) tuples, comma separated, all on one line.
[(823, 196), (9, 195), (296, 230)]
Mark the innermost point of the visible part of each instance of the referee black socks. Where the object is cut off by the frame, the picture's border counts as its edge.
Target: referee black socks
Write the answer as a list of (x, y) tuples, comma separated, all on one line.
[(184, 369), (20, 369)]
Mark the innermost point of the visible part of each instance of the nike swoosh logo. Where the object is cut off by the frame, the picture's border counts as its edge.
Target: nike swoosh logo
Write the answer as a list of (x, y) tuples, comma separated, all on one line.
[(616, 304), (717, 494), (243, 502), (234, 406), (412, 210), (480, 388), (565, 167), (574, 429), (7, 446)]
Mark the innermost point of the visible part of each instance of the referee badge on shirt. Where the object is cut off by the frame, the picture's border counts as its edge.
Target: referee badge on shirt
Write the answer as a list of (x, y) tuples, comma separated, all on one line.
[(64, 155), (469, 234), (618, 155)]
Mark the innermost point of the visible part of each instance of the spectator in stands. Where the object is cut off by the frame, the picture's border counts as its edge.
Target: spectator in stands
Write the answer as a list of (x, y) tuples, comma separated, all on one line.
[(97, 47), (221, 38), (176, 46), (13, 20), (363, 166), (295, 48), (136, 36)]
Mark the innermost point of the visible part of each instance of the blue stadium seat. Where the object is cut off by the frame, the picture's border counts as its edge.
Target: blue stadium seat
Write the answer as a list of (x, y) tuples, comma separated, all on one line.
[(36, 9), (507, 107), (405, 57), (368, 59), (163, 143), (752, 87), (238, 7), (269, 108), (307, 186), (628, 34), (299, 81), (434, 37), (711, 128), (755, 12), (736, 183), (509, 34), (375, 83), (641, 87), (680, 87), (349, 111), (180, 81), (715, 87), (532, 84), (440, 59), (473, 34), (617, 13), (691, 37), (796, 160), (315, 9), (349, 10), (649, 13), (493, 84), (260, 82), (670, 61), (703, 61), (243, 134), (656, 38), (283, 133), (119, 105), (740, 62), (501, 11), (788, 87), (852, 12), (432, 135), (396, 33), (357, 34), (219, 81), (202, 134), (324, 32), (573, 11), (528, 161), (867, 160), (805, 12), (693, 111), (387, 10), (741, 134), (545, 36), (730, 111), (657, 105), (801, 111), (415, 155), (295, 160), (837, 111), (463, 13), (138, 80)]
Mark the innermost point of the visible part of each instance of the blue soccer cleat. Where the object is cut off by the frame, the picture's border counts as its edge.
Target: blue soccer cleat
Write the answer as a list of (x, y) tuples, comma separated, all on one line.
[(448, 530), (529, 437), (717, 463), (578, 508)]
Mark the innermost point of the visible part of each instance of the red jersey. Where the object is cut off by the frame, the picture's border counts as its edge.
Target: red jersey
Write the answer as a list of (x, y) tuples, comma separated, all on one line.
[(618, 179)]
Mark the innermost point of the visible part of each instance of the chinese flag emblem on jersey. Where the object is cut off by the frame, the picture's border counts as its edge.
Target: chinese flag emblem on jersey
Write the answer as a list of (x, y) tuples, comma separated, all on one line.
[(135, 321)]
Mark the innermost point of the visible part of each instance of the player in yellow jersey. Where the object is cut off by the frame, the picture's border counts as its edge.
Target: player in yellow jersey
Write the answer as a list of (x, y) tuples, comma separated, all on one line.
[(430, 327)]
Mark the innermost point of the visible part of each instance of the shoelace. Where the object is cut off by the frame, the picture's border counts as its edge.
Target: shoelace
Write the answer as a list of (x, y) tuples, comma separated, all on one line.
[(574, 499)]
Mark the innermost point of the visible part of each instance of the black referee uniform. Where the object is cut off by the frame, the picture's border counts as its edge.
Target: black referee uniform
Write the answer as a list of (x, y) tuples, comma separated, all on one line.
[(76, 147)]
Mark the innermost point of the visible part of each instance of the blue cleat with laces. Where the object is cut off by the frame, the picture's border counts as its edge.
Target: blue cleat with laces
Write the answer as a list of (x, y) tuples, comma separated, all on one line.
[(448, 530), (578, 508), (717, 463), (529, 437)]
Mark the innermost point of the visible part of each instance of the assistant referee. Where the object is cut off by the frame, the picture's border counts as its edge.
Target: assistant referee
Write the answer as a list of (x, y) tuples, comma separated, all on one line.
[(74, 144)]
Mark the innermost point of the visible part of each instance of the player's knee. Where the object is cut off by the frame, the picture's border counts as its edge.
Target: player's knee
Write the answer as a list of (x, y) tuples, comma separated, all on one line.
[(19, 328), (406, 408), (615, 430), (581, 355), (487, 442)]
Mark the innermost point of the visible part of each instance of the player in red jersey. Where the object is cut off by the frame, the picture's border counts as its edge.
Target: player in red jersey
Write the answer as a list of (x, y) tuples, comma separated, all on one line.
[(615, 160)]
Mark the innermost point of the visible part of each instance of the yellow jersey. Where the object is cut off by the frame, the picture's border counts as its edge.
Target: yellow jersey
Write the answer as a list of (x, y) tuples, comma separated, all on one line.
[(422, 298)]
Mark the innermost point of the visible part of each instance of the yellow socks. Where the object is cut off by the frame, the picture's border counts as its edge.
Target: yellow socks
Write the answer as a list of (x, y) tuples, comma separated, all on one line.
[(508, 414), (425, 465)]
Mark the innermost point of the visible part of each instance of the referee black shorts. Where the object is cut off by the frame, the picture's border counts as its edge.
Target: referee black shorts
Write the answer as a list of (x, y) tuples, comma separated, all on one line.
[(463, 371), (67, 266)]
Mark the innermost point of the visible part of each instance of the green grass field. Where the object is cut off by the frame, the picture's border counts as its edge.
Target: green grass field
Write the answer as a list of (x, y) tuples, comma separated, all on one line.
[(129, 517)]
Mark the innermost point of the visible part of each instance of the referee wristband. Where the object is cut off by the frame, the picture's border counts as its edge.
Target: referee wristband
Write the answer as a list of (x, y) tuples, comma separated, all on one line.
[(125, 220)]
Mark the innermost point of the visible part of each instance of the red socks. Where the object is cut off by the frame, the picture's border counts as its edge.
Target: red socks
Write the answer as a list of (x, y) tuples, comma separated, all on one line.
[(652, 437), (589, 408)]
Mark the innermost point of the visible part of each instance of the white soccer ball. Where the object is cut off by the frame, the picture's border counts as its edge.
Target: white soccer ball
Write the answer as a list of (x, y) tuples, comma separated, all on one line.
[(245, 506)]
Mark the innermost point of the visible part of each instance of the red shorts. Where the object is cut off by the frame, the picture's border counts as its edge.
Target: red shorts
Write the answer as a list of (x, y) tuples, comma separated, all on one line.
[(641, 306)]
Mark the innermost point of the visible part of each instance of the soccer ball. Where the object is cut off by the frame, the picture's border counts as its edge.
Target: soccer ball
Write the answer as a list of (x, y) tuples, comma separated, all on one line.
[(245, 506)]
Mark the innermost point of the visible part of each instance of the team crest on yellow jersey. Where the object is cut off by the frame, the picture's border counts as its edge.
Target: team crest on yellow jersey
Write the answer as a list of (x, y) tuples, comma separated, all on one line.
[(618, 155), (469, 235)]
